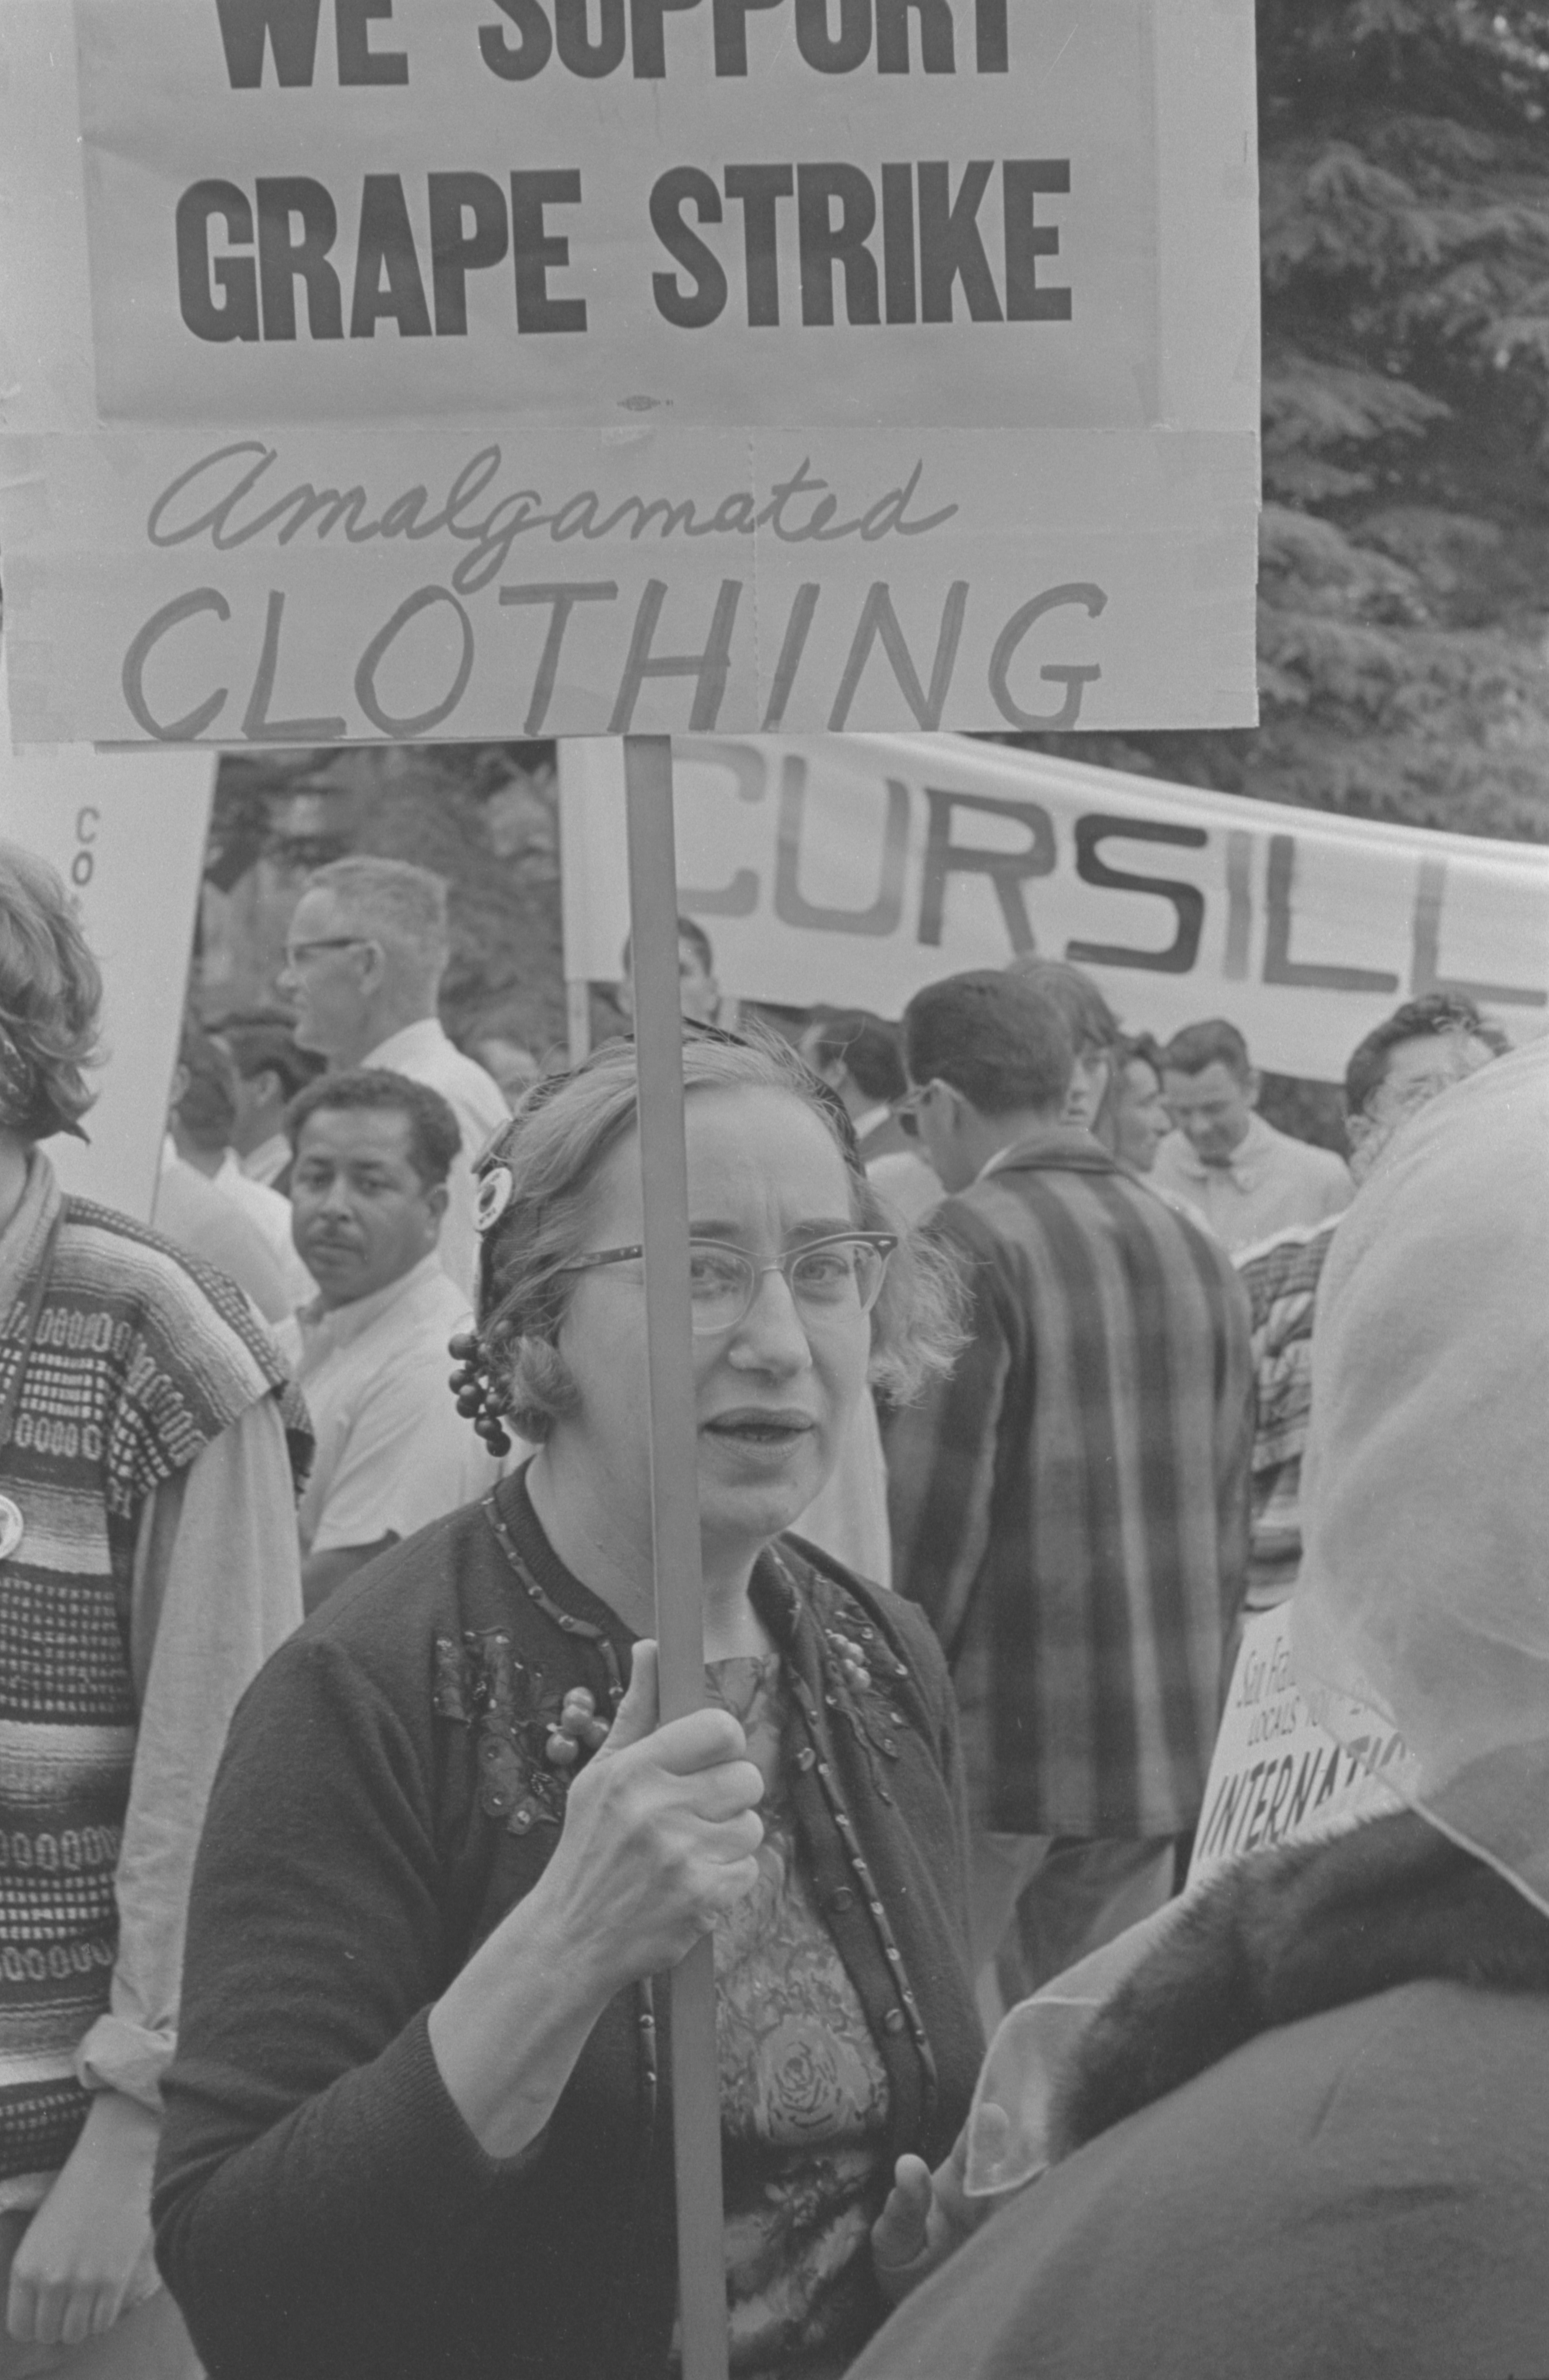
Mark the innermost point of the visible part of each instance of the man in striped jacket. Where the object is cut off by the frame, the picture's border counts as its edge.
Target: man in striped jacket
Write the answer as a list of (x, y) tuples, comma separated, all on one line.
[(1070, 1508)]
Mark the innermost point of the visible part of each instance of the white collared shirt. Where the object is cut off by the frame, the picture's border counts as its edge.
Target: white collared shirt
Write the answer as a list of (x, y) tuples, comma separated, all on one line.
[(1272, 1181), (393, 1452)]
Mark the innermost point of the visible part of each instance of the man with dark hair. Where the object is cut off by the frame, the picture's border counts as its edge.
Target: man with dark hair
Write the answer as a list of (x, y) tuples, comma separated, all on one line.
[(1069, 1508), (373, 1150), (1420, 1050), (270, 1069), (857, 1055), (1246, 1178), (988, 1058)]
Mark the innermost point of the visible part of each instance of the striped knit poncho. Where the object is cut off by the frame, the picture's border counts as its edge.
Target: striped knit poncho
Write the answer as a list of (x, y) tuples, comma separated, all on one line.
[(139, 1358)]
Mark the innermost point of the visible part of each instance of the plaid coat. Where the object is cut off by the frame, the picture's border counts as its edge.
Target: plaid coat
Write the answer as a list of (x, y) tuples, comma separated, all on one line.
[(1070, 1508)]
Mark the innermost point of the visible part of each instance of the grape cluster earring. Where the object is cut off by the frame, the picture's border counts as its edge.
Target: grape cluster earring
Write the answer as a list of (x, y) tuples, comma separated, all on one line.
[(481, 1399)]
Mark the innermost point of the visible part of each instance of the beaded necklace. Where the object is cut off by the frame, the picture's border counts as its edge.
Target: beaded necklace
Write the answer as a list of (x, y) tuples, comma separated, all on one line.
[(644, 1995)]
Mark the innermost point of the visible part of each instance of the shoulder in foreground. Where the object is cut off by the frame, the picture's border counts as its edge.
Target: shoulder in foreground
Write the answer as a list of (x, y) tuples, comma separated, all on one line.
[(115, 1253)]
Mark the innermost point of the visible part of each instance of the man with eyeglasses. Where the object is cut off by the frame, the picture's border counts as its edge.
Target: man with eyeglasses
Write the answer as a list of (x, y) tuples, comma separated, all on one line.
[(1421, 1050), (1069, 1508), (367, 949)]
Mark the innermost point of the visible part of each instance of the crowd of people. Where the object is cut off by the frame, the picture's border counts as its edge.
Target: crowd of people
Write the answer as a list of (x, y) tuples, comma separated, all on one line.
[(1028, 1358)]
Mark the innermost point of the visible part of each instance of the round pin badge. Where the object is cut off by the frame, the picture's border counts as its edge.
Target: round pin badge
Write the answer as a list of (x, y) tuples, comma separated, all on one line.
[(13, 1528), (494, 1195)]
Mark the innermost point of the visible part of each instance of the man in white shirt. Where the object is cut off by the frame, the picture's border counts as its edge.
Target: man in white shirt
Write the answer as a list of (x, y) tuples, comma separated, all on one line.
[(373, 1150), (1246, 1178), (367, 949)]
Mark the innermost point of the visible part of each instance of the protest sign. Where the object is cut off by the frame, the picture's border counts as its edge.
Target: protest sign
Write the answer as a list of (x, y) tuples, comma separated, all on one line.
[(125, 830), (1276, 1775), (857, 870), (384, 368)]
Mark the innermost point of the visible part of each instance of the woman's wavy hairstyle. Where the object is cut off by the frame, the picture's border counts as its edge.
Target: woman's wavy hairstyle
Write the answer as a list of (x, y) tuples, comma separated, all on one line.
[(552, 1149), (50, 1001)]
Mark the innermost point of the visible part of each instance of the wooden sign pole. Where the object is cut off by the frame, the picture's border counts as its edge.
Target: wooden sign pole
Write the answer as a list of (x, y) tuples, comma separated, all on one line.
[(674, 1509)]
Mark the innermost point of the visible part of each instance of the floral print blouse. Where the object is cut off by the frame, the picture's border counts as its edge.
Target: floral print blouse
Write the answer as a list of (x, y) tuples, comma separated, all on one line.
[(803, 2093)]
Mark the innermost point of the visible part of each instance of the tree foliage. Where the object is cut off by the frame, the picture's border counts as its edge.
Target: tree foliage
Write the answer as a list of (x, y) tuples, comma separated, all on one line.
[(1404, 591)]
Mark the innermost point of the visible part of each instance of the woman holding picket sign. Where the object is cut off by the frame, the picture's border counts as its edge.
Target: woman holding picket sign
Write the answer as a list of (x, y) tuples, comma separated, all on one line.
[(418, 2123)]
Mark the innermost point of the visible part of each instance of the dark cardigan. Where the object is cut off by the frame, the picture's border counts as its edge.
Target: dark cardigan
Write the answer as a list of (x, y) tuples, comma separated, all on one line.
[(323, 2212)]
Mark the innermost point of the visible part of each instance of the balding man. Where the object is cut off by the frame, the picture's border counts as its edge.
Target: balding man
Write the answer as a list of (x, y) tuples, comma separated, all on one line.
[(367, 949)]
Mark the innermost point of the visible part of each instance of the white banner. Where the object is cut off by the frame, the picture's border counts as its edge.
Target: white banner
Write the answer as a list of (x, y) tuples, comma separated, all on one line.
[(127, 832), (392, 368), (854, 870)]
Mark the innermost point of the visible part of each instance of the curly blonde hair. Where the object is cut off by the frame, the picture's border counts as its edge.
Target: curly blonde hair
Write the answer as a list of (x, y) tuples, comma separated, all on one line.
[(51, 996), (553, 1149)]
